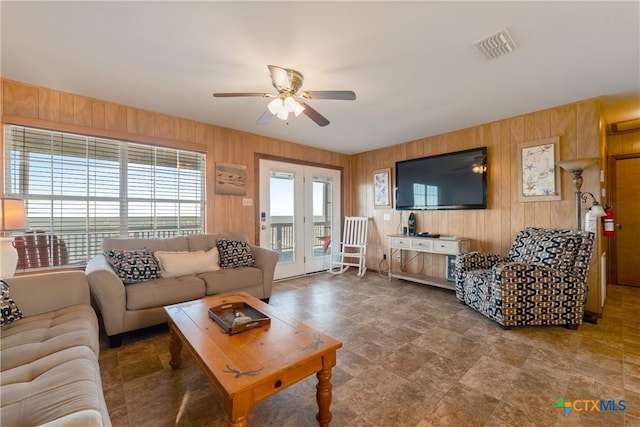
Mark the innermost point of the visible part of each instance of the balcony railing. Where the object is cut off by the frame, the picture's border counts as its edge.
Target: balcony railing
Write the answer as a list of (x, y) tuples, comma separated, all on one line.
[(282, 238), (40, 250)]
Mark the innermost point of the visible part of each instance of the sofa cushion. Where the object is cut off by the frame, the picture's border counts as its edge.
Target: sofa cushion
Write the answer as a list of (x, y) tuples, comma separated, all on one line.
[(133, 266), (176, 264), (231, 279), (553, 251), (63, 385), (234, 254), (204, 242), (165, 291), (9, 311), (43, 334), (167, 244), (545, 248)]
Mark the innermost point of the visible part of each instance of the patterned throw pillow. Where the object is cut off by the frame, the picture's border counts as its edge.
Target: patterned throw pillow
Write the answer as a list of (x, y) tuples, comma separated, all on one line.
[(234, 254), (137, 265), (8, 308)]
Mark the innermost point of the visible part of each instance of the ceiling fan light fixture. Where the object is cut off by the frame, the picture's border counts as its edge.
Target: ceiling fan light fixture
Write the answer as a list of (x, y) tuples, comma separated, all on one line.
[(283, 114), (290, 104), (276, 106), (288, 82), (298, 109), (281, 107)]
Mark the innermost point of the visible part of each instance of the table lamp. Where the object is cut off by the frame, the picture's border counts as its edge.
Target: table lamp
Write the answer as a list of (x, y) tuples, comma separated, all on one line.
[(12, 218)]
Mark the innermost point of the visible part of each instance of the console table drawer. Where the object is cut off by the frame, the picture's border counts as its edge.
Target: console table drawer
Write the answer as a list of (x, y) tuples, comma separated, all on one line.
[(400, 242), (421, 244), (446, 247)]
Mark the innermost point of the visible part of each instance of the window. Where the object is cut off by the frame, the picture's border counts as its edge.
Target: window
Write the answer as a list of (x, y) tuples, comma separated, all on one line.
[(83, 189)]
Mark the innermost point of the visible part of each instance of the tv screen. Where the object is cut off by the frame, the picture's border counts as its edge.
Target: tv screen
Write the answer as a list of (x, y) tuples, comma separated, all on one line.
[(446, 181)]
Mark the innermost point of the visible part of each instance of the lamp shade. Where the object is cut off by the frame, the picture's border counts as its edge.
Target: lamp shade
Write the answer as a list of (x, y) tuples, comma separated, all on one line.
[(578, 164), (12, 215), (283, 114), (298, 109), (290, 104), (12, 218), (596, 210), (275, 106)]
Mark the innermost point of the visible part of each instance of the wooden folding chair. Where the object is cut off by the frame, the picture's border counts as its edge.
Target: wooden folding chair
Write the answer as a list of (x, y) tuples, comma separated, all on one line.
[(37, 249), (352, 250)]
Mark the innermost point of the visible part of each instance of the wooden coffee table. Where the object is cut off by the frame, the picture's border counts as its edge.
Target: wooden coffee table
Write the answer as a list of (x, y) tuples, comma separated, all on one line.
[(248, 367)]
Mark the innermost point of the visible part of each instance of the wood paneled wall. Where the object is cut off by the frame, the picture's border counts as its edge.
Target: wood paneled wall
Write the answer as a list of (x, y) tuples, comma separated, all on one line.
[(29, 105), (492, 230), (624, 143), (579, 126)]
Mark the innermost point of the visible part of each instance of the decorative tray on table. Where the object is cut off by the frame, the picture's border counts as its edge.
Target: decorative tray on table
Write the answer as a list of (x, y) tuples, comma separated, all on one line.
[(235, 317)]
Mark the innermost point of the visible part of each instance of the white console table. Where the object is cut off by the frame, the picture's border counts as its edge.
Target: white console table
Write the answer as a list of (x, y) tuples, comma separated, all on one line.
[(443, 245)]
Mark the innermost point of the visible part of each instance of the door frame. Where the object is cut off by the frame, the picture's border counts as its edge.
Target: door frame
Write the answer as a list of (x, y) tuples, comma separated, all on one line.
[(612, 258), (256, 173)]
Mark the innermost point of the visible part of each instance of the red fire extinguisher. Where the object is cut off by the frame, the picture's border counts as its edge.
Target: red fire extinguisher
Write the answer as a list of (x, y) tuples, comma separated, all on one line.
[(608, 226)]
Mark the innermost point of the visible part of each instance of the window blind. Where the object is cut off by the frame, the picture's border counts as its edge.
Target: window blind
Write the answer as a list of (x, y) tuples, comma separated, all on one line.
[(83, 189)]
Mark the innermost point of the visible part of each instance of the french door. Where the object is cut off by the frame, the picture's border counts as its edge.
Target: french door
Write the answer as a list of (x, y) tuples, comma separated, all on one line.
[(299, 215)]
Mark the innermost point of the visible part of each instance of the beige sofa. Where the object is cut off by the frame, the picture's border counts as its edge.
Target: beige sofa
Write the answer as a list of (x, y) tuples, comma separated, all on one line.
[(49, 359), (128, 307)]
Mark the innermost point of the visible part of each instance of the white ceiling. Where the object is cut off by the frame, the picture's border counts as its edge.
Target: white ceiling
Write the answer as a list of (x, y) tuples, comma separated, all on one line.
[(412, 65)]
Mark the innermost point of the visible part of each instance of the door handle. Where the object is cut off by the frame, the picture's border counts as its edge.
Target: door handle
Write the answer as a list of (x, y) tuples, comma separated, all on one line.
[(619, 226), (264, 227)]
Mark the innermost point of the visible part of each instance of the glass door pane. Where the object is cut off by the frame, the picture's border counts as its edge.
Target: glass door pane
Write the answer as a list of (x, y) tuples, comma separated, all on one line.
[(322, 216), (281, 207), (323, 206), (282, 215)]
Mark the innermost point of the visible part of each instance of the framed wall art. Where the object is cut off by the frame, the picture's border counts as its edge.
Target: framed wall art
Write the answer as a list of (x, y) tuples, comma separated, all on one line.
[(231, 179), (538, 174), (382, 188)]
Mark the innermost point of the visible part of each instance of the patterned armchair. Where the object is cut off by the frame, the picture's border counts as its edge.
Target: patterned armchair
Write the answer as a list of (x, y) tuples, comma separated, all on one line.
[(543, 280)]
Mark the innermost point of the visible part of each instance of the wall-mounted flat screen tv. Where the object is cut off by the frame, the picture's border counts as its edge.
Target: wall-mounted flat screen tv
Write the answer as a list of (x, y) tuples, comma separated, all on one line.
[(447, 181)]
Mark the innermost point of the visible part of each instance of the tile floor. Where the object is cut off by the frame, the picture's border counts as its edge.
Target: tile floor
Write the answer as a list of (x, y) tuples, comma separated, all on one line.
[(412, 356)]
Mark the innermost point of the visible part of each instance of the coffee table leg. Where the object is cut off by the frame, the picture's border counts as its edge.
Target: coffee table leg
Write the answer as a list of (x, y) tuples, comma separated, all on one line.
[(238, 409), (239, 422), (175, 348), (323, 396)]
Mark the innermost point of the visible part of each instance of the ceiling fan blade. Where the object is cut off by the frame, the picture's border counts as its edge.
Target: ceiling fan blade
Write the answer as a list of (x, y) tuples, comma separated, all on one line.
[(234, 94), (343, 95), (314, 115), (265, 118), (279, 77)]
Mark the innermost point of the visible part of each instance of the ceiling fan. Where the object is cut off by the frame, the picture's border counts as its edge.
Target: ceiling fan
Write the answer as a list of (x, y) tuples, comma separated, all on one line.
[(288, 99)]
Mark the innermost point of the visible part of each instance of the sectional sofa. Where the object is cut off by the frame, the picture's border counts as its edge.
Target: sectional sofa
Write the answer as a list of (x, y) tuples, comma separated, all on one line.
[(49, 358), (189, 271)]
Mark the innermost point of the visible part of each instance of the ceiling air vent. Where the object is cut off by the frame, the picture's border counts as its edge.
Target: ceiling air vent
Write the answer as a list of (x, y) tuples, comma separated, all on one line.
[(496, 45)]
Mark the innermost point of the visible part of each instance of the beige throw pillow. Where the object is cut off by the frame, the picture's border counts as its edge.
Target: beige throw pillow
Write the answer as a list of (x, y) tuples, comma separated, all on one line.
[(176, 264)]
